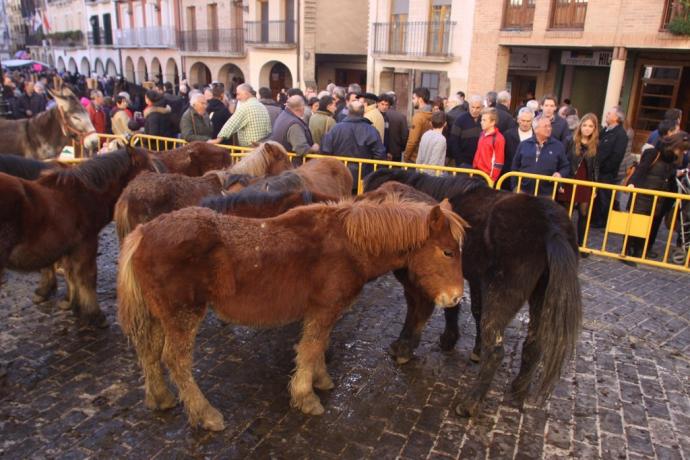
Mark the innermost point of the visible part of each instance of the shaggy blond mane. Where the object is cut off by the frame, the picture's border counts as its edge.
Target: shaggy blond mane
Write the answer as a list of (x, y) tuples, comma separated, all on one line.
[(392, 224), (257, 162)]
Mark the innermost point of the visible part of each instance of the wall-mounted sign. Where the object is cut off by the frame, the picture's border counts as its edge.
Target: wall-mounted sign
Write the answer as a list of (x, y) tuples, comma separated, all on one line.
[(587, 58), (529, 59)]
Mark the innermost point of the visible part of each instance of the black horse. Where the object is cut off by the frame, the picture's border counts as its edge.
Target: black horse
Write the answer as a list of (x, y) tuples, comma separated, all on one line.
[(518, 249)]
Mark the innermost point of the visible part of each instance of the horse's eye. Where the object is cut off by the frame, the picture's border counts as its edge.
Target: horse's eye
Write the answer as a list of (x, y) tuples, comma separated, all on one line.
[(448, 253)]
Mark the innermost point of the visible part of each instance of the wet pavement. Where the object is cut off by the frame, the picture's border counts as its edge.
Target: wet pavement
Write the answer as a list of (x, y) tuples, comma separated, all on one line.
[(73, 392)]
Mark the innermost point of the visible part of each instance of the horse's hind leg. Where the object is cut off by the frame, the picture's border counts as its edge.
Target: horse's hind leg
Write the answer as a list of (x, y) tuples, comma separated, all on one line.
[(531, 349), (419, 309), (498, 311), (310, 352), (84, 269), (322, 380), (47, 286), (180, 332), (476, 308), (158, 395)]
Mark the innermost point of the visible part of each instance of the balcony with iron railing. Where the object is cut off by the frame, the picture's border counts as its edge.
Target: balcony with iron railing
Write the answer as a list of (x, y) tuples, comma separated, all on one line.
[(414, 39), (146, 37), (67, 39), (226, 41), (518, 15), (568, 14), (276, 34), (102, 39)]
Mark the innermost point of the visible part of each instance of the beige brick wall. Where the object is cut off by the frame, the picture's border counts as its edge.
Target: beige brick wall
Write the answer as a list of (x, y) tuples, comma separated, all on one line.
[(632, 24)]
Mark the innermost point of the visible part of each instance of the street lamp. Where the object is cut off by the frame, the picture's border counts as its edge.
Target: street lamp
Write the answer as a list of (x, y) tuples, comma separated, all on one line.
[(5, 111)]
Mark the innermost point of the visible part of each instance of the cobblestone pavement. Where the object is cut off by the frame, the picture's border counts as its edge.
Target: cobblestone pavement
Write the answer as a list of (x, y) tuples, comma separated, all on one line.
[(72, 393)]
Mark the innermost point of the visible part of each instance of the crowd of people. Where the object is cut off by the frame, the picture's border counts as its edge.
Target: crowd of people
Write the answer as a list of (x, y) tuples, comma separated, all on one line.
[(480, 132)]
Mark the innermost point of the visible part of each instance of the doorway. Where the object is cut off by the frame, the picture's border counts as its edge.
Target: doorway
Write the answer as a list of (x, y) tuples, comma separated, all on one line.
[(588, 92), (521, 87)]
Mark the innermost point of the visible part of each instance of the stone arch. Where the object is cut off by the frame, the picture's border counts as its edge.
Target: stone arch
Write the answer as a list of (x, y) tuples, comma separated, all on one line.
[(227, 73), (199, 74), (156, 70), (142, 73), (129, 70), (51, 61), (275, 75), (98, 67), (171, 72), (61, 64), (72, 66), (85, 67), (111, 68)]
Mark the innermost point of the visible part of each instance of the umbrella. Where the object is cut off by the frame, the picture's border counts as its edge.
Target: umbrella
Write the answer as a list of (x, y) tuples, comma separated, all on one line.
[(22, 54), (18, 63)]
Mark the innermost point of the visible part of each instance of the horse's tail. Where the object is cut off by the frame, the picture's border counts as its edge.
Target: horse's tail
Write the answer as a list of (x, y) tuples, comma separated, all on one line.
[(560, 318), (132, 312), (123, 223)]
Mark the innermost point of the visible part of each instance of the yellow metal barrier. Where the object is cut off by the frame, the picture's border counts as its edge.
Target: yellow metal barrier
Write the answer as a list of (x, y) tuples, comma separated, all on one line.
[(156, 143), (104, 139), (620, 224)]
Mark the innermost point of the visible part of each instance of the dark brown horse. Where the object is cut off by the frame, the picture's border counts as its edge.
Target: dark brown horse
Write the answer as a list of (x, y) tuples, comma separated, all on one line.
[(45, 135), (151, 195), (59, 216), (252, 203), (519, 249), (175, 267), (327, 176)]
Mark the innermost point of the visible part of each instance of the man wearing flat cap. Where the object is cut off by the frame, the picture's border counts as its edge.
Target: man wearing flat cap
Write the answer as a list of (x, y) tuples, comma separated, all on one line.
[(372, 113)]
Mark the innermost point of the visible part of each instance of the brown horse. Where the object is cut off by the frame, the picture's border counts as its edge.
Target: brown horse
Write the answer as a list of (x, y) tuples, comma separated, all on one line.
[(252, 203), (151, 195), (175, 267), (327, 176), (519, 249), (59, 216), (45, 135)]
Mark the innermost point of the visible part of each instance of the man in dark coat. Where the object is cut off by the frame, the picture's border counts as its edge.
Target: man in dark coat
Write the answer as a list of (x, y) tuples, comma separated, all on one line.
[(559, 127), (217, 111), (266, 98), (513, 138), (158, 116), (396, 129), (505, 119), (464, 135), (291, 131), (355, 137), (30, 103), (613, 141)]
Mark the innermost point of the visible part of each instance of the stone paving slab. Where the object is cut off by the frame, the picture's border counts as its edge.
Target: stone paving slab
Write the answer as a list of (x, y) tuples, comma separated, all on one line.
[(75, 393)]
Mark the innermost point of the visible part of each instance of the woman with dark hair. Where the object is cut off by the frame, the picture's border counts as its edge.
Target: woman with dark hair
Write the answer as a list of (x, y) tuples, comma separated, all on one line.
[(582, 154), (656, 171)]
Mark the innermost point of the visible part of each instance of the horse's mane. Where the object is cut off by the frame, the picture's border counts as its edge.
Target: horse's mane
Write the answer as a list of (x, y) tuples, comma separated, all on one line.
[(439, 187), (249, 198), (232, 179), (26, 168), (95, 173), (391, 225), (258, 160), (287, 181)]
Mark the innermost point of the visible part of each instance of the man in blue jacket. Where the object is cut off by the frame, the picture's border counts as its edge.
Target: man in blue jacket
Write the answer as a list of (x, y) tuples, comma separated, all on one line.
[(355, 137), (540, 154)]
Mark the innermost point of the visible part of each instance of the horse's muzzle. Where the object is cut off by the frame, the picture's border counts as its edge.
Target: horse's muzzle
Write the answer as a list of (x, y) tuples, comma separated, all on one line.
[(91, 143), (448, 299)]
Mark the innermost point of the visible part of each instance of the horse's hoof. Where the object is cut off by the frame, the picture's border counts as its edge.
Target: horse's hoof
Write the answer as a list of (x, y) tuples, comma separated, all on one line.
[(401, 351), (475, 356), (310, 405), (467, 409), (324, 383), (448, 341), (97, 319), (38, 298), (212, 420), (163, 402), (64, 305)]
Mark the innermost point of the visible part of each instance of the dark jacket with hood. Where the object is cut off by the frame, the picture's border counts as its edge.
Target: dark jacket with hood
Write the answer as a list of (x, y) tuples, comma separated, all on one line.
[(159, 120), (354, 137), (218, 114), (273, 109)]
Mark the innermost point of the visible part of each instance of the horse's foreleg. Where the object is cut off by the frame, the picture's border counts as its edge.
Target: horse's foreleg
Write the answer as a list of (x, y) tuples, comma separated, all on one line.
[(309, 359), (70, 301), (476, 308), (85, 271), (419, 309), (47, 286), (180, 332)]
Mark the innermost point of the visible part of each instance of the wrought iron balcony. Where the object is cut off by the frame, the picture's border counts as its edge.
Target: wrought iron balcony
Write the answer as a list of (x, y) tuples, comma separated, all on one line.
[(229, 41), (272, 33), (416, 39), (147, 37), (518, 15), (674, 9), (102, 39)]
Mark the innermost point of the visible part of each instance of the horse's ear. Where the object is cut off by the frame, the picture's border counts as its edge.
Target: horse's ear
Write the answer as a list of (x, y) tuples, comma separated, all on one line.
[(445, 204), (437, 219)]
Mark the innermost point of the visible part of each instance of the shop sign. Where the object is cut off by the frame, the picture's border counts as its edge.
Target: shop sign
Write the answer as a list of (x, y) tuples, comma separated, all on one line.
[(587, 58), (529, 59)]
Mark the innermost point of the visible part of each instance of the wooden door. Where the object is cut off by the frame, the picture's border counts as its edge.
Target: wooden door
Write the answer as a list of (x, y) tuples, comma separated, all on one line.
[(658, 92), (401, 87)]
